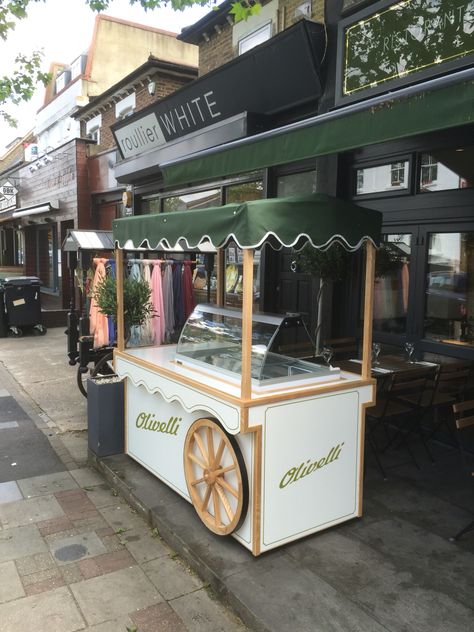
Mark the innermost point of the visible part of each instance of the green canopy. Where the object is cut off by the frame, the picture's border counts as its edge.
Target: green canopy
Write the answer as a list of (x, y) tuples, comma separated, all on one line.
[(282, 222)]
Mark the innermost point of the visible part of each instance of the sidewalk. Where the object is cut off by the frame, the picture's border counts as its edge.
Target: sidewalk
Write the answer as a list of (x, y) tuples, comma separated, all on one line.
[(73, 554), (393, 570)]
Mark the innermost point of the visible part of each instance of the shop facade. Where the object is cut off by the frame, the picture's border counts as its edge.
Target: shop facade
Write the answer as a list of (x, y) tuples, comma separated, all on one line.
[(389, 131)]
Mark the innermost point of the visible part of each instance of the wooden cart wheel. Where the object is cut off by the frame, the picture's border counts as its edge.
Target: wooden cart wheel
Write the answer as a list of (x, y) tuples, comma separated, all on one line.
[(216, 476)]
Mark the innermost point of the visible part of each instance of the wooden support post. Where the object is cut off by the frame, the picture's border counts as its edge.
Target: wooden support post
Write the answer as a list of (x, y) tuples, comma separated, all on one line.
[(368, 310), (220, 289), (120, 321), (247, 307)]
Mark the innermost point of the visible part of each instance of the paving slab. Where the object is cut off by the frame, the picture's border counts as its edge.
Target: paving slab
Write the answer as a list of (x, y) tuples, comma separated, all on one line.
[(98, 600), (76, 547), (9, 492), (54, 611), (86, 477), (202, 613), (171, 578), (46, 484), (10, 583), (23, 512), (20, 542)]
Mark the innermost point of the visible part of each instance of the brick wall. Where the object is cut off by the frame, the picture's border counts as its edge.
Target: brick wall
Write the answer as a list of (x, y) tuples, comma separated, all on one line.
[(165, 85), (218, 50)]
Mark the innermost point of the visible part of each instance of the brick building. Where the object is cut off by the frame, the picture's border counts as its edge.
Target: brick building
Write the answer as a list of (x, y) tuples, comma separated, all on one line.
[(51, 169)]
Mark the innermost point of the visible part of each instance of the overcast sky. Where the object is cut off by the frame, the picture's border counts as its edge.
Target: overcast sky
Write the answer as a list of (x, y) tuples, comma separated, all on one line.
[(63, 29)]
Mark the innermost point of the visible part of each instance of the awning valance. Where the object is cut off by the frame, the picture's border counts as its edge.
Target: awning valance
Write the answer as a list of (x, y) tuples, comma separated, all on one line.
[(282, 222), (417, 110)]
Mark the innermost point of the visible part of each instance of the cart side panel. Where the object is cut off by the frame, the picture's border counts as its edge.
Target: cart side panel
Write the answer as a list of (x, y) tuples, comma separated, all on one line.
[(190, 398), (311, 456)]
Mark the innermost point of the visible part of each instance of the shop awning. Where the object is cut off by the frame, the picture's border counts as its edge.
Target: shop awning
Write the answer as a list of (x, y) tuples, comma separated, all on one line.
[(417, 110), (36, 209), (282, 222), (88, 240)]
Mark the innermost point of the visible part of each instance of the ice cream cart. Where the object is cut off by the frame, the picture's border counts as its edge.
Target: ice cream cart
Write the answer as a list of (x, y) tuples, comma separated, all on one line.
[(268, 448)]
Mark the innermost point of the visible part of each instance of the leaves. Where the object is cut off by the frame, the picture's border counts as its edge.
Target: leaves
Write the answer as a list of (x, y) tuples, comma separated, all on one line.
[(330, 264), (136, 300)]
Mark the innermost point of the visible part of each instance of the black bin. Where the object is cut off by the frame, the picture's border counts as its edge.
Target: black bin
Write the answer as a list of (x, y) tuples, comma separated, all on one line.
[(23, 304), (3, 314)]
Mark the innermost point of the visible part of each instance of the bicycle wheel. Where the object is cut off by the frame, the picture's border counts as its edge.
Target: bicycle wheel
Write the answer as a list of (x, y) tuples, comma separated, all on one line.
[(101, 368)]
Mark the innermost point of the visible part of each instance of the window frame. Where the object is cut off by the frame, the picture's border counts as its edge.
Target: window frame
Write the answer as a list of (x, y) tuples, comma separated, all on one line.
[(267, 25), (386, 161)]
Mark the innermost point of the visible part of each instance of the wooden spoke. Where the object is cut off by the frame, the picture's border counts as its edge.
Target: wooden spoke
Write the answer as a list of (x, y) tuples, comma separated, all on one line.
[(198, 480), (219, 453), (220, 505), (195, 459), (202, 449), (223, 470), (223, 483), (224, 501), (207, 496), (210, 446)]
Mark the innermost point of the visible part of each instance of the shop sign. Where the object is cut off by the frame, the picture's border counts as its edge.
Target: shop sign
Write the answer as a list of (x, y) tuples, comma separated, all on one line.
[(262, 82), (8, 193), (403, 39)]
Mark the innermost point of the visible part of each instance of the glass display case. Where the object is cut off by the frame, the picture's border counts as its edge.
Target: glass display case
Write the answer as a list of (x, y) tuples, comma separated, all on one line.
[(212, 339)]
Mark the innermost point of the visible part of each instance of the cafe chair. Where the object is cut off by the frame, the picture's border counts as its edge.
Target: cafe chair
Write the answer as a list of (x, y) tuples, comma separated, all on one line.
[(397, 412), (464, 422), (449, 388)]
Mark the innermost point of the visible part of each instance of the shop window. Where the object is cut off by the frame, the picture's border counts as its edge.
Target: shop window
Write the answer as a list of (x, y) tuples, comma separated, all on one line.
[(449, 295), (125, 107), (259, 36), (191, 201), (149, 205), (392, 281), (244, 192), (384, 178), (296, 184), (447, 169)]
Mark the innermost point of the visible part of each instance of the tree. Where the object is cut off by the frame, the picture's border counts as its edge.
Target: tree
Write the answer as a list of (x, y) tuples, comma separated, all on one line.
[(21, 83)]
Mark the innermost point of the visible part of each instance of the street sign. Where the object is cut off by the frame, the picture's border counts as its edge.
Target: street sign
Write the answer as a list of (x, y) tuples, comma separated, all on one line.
[(8, 190)]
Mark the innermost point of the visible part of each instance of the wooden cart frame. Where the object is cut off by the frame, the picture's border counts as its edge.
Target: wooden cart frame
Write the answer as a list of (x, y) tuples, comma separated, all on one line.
[(367, 234)]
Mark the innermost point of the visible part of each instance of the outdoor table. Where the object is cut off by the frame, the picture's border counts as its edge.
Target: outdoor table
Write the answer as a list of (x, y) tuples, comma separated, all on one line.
[(266, 463)]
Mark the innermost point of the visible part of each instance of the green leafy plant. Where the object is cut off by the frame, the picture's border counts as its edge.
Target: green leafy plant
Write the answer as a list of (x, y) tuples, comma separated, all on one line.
[(137, 307), (327, 265)]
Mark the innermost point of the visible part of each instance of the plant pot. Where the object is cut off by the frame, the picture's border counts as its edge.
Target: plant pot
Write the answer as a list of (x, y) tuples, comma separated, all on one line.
[(105, 415)]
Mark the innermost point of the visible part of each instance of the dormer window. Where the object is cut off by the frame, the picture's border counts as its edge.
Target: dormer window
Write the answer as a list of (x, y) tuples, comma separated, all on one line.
[(77, 66), (93, 128), (255, 38), (125, 107), (62, 80)]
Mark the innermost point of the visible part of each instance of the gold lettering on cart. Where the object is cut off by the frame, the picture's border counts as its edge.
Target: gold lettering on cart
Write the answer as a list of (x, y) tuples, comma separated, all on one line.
[(304, 469), (147, 421)]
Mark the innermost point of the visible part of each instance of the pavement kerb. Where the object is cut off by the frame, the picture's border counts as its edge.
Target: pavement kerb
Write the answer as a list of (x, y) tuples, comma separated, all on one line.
[(165, 529)]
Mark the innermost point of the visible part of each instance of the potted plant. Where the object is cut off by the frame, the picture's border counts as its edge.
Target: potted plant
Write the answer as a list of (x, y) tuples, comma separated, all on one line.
[(328, 265), (137, 307), (105, 395)]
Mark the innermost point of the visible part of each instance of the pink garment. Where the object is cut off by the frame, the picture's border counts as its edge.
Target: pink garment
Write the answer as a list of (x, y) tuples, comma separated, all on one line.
[(99, 325), (146, 330), (405, 286), (158, 320)]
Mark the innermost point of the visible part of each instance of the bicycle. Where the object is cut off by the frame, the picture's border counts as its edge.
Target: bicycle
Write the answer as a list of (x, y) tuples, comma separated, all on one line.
[(101, 359)]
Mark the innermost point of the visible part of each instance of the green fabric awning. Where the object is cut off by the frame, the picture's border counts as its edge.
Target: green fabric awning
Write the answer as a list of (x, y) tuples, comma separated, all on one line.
[(291, 222), (394, 118)]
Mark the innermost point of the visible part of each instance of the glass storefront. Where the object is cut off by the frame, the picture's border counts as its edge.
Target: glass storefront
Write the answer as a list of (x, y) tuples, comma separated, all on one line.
[(449, 293), (392, 176), (447, 169), (392, 284)]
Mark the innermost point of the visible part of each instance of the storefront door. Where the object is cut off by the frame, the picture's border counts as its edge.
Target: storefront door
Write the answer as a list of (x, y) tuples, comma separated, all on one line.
[(424, 288), (47, 261)]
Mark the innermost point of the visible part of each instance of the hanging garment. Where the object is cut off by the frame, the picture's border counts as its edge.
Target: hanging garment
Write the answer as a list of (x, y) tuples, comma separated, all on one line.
[(111, 319), (168, 301), (146, 329), (98, 321), (178, 295), (158, 321), (188, 293), (135, 329)]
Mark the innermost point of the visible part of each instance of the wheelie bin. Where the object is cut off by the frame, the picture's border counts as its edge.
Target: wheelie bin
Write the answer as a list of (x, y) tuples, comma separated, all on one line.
[(3, 314), (23, 305)]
